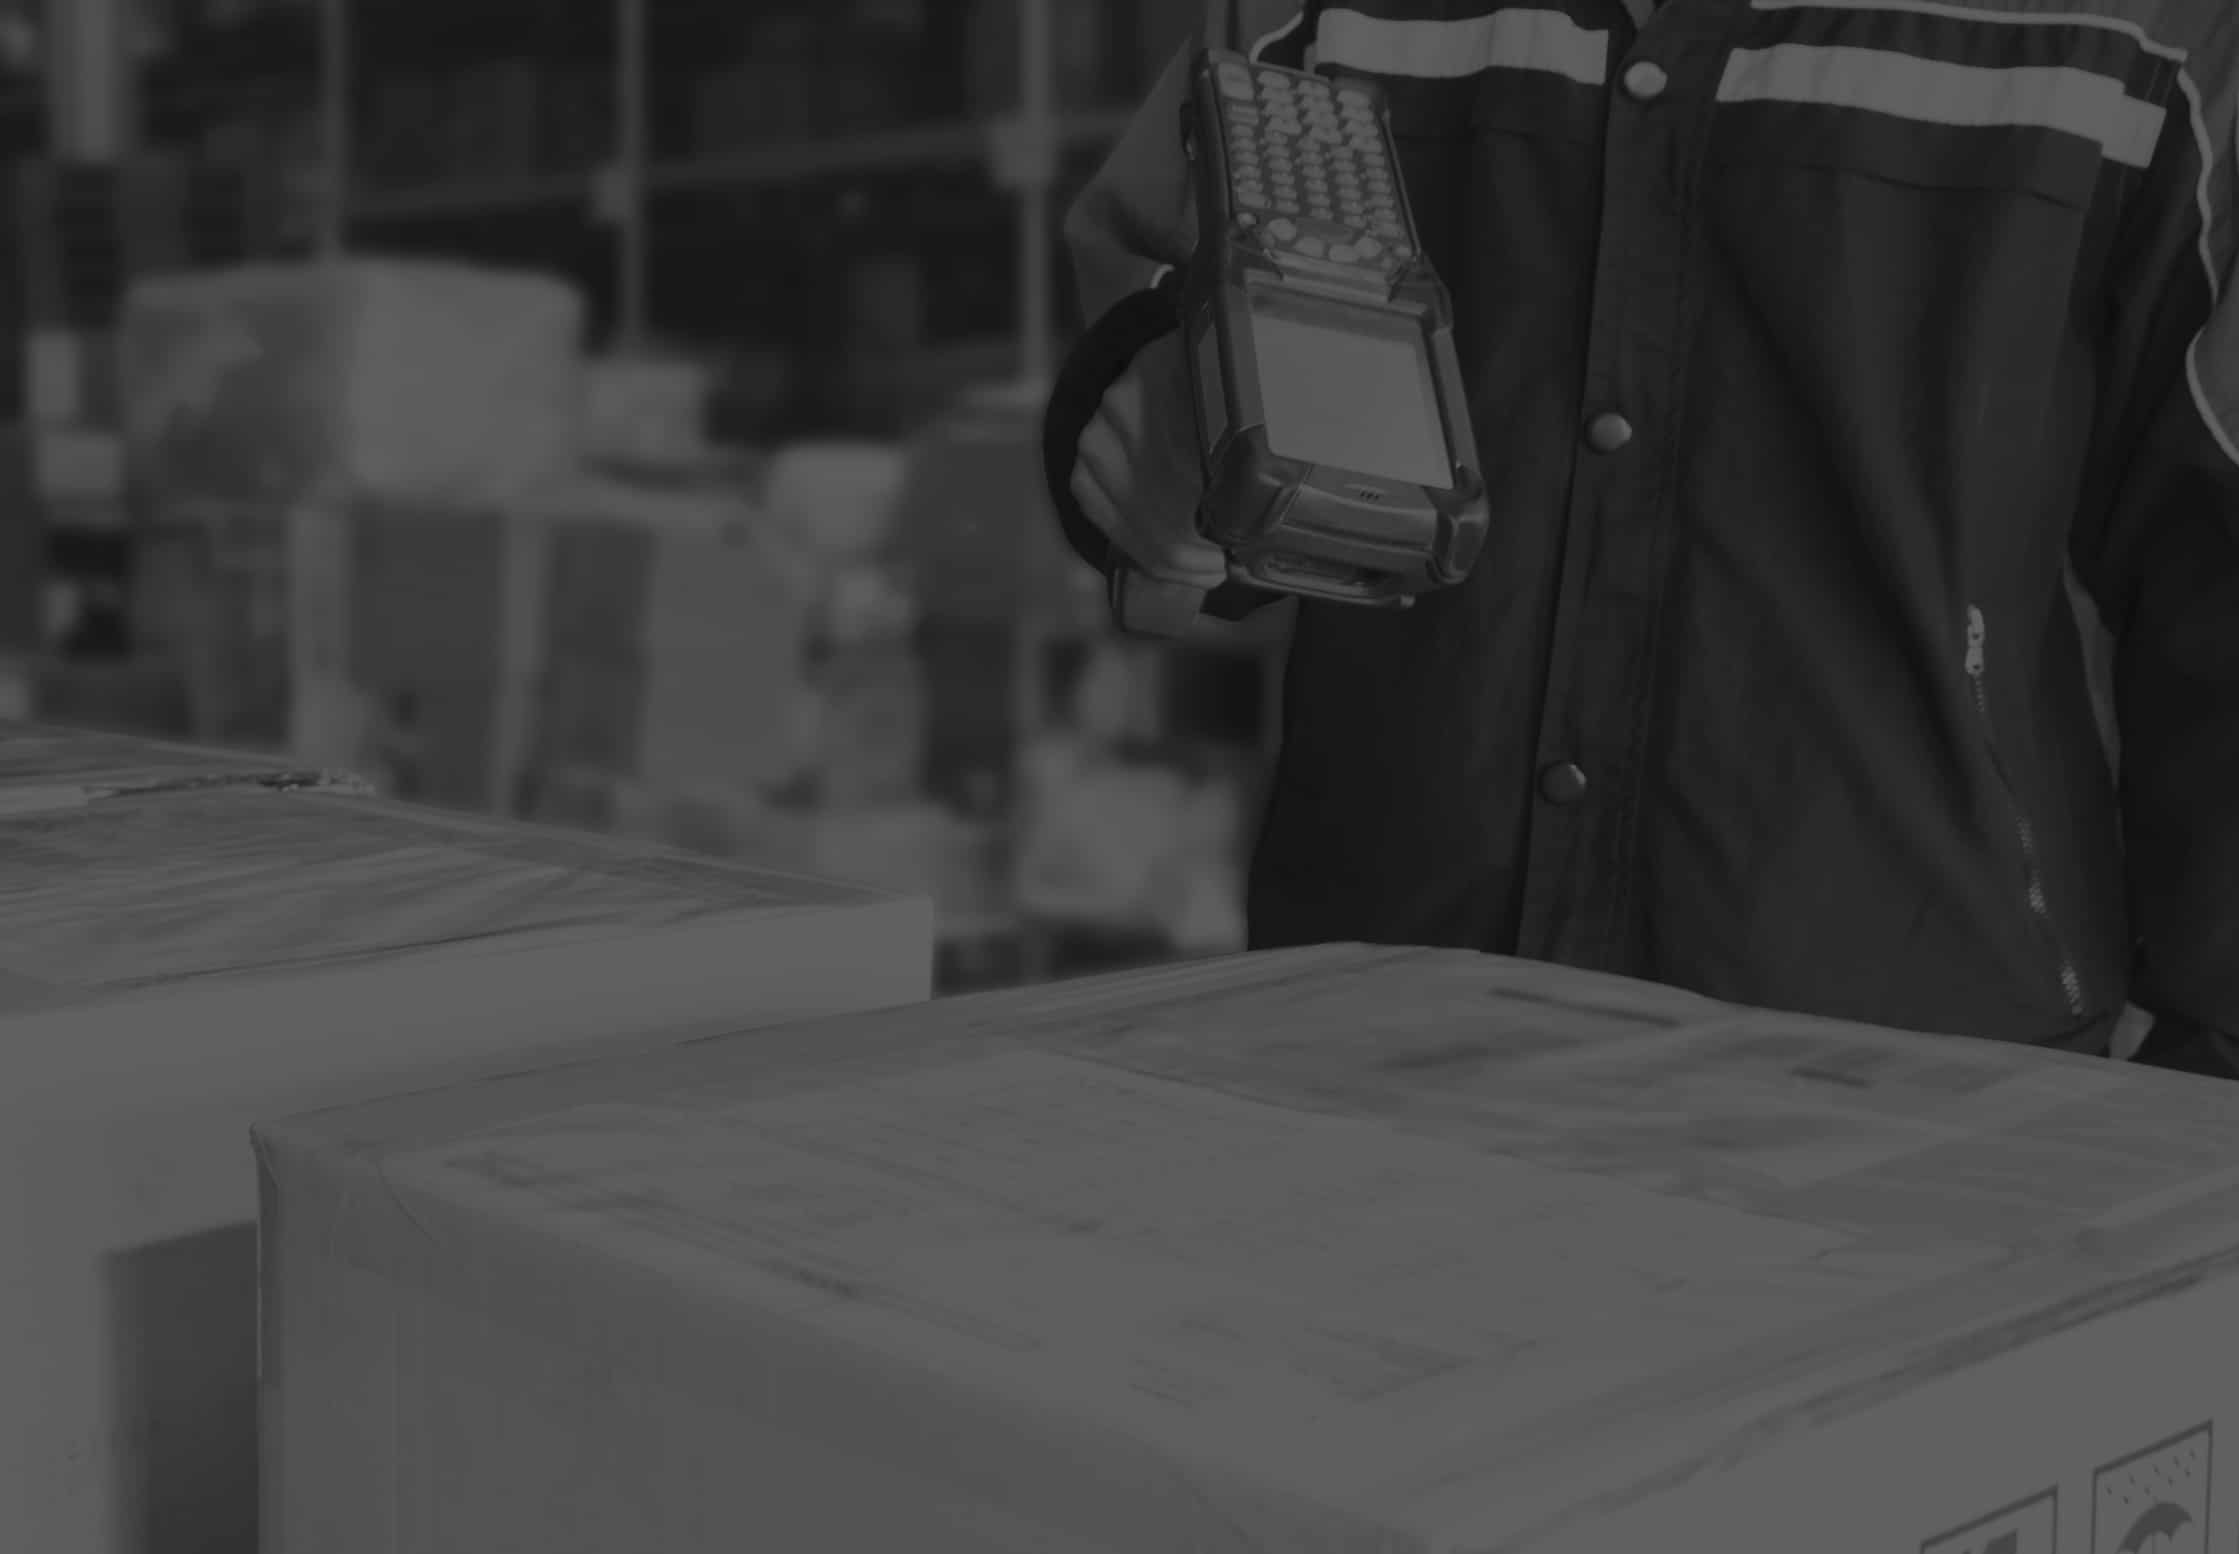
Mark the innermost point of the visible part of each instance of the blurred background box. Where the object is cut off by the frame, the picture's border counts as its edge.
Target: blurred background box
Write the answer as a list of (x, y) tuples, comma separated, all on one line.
[(391, 637), (724, 642), (647, 411), (70, 377), (975, 536), (210, 594), (675, 638), (919, 847), (273, 385), (1131, 844), (441, 648), (867, 735), (80, 475), (916, 846)]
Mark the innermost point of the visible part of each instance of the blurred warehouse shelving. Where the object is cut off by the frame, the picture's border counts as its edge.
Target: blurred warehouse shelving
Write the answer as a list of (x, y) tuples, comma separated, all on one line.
[(847, 210)]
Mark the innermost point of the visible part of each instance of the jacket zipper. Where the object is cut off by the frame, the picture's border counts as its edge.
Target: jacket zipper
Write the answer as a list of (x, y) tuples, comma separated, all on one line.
[(1978, 634)]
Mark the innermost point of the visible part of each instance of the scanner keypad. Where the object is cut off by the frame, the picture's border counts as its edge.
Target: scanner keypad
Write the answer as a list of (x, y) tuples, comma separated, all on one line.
[(1311, 169)]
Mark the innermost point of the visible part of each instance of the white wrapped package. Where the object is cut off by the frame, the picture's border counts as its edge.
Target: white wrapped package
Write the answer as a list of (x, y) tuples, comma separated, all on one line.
[(837, 495), (1103, 840), (646, 410), (413, 380)]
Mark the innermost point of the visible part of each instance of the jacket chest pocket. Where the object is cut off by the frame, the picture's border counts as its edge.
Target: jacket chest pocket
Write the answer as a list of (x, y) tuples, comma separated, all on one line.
[(2046, 110), (1965, 185)]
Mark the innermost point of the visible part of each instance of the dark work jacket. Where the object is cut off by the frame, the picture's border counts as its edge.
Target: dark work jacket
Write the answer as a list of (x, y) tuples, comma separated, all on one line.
[(1912, 314)]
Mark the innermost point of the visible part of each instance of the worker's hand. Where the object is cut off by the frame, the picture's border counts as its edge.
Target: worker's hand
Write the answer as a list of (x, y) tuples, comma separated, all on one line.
[(1138, 477)]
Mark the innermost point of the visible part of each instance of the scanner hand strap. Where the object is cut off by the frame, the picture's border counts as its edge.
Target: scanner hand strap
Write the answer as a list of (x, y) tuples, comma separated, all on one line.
[(1097, 362)]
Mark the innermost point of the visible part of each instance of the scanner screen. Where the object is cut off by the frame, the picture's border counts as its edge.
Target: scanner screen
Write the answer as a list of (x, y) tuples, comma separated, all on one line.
[(1350, 398)]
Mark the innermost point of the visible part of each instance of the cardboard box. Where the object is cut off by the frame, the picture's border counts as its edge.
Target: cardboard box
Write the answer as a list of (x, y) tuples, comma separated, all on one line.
[(272, 386), (398, 639), (415, 648), (975, 537), (1328, 1250), (187, 945), (673, 633), (646, 410), (45, 759)]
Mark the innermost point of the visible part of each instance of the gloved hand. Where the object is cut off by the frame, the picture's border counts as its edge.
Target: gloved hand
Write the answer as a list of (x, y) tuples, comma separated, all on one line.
[(1138, 477)]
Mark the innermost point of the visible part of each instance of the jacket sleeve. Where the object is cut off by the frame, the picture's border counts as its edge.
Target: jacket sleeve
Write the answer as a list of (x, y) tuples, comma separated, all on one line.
[(2158, 548), (1135, 219), (1130, 227)]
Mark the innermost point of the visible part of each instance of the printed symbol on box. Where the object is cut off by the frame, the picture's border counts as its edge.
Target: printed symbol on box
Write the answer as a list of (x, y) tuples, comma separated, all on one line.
[(2155, 1502), (2029, 1526)]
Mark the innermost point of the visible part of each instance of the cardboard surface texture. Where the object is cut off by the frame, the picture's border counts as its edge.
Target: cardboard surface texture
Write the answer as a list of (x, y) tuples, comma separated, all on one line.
[(190, 942), (1350, 1249), (47, 764)]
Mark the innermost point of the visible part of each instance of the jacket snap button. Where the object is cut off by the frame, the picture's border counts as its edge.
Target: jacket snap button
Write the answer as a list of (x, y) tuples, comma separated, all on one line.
[(1607, 433), (1645, 82), (1562, 783)]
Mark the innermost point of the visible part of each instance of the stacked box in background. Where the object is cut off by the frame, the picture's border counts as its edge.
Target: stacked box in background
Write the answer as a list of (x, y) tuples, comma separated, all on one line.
[(392, 518), (276, 386), (375, 434), (441, 644), (432, 614), (1120, 820), (191, 940), (673, 641), (568, 605), (727, 669), (647, 411), (210, 596), (975, 538)]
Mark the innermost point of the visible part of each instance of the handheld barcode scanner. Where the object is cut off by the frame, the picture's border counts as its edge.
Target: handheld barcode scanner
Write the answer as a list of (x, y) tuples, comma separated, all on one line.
[(1330, 408)]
